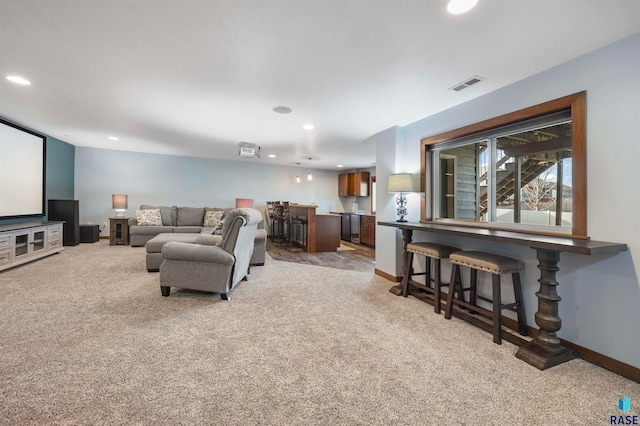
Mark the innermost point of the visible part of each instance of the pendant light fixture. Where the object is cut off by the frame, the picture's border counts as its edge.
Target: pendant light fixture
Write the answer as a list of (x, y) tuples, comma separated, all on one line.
[(298, 176), (309, 175)]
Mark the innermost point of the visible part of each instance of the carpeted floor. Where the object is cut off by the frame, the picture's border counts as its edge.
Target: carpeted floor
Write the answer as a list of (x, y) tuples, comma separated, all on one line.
[(88, 339)]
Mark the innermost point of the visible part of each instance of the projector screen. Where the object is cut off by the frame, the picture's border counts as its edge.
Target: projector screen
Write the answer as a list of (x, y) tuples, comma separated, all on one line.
[(22, 172)]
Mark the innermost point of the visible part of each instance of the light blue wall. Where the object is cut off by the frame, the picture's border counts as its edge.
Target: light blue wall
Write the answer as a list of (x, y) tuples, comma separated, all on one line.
[(600, 309), (59, 174), (187, 181)]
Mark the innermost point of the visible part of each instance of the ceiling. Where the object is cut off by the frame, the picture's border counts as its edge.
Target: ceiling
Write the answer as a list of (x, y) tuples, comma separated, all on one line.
[(195, 78)]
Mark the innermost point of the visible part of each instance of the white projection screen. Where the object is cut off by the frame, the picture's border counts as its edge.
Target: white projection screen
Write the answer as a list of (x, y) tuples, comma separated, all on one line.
[(22, 172)]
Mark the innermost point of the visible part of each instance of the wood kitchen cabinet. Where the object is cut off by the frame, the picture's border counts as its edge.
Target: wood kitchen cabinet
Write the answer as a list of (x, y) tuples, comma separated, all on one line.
[(343, 185), (360, 184), (368, 230), (354, 184)]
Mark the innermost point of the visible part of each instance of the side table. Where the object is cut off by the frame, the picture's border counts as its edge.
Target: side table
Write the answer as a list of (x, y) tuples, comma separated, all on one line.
[(119, 227)]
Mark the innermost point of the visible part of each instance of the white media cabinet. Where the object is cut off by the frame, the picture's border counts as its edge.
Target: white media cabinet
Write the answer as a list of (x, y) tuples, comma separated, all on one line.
[(27, 241)]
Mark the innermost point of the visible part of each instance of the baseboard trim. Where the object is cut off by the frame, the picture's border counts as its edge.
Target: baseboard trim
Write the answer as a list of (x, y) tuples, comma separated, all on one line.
[(389, 277), (104, 237), (610, 364), (618, 367)]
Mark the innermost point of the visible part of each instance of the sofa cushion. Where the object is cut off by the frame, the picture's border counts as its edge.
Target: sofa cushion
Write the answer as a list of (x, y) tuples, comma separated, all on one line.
[(169, 214), (150, 230), (213, 218), (190, 216), (188, 229), (149, 217), (155, 244)]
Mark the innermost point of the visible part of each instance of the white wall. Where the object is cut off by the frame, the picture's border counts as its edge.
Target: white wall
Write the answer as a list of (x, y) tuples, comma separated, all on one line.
[(390, 158), (187, 181), (600, 309)]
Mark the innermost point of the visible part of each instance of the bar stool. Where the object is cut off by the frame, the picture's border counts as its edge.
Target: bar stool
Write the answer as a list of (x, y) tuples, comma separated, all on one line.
[(431, 251), (279, 221), (271, 216), (495, 265), (298, 231)]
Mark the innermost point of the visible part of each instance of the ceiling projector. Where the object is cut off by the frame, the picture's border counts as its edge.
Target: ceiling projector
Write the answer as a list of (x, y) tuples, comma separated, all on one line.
[(248, 150)]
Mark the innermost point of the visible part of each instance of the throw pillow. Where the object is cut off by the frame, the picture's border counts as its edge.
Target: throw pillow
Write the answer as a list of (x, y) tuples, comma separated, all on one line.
[(169, 214), (212, 219), (149, 217)]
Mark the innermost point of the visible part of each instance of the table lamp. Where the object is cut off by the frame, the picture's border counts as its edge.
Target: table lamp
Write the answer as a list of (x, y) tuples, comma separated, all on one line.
[(401, 183), (120, 204), (244, 202)]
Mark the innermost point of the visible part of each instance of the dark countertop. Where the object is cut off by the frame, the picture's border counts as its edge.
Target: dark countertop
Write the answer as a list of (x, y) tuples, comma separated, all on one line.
[(359, 214), (536, 241)]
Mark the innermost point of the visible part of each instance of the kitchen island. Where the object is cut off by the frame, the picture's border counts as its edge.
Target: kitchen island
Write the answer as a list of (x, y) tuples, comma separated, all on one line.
[(314, 232)]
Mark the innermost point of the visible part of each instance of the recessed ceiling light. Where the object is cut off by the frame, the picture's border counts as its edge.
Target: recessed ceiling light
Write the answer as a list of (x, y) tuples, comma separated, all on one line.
[(457, 7), (19, 80), (272, 156), (308, 127), (113, 138), (282, 110), (340, 166)]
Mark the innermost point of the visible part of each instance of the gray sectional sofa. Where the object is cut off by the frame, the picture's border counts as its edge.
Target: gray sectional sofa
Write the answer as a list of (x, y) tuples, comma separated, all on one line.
[(216, 265), (186, 223)]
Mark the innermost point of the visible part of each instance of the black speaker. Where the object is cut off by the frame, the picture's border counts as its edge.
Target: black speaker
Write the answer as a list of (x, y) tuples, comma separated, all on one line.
[(89, 233), (69, 212)]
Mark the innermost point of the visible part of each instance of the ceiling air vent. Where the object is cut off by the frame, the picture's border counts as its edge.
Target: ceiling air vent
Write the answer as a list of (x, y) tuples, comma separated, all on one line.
[(468, 82)]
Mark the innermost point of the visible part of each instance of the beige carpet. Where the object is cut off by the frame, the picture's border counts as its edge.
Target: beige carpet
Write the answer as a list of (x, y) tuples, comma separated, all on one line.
[(88, 339)]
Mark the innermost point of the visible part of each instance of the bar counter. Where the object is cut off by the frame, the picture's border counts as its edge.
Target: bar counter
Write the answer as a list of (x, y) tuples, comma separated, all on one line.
[(545, 350), (322, 230)]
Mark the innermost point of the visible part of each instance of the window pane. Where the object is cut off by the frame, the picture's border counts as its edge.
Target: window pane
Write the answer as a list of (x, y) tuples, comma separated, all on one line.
[(463, 172), (533, 176)]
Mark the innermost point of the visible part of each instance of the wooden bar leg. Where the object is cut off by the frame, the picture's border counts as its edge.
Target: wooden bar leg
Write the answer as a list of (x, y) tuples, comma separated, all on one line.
[(407, 235), (545, 350), (458, 281), (453, 287), (473, 292), (517, 289), (407, 277), (497, 309), (437, 284)]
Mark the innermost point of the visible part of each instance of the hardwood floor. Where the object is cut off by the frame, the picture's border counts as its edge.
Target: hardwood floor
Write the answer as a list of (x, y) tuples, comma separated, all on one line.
[(361, 258)]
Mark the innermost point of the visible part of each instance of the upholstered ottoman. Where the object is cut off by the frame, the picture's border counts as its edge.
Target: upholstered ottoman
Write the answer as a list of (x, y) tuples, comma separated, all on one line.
[(154, 247)]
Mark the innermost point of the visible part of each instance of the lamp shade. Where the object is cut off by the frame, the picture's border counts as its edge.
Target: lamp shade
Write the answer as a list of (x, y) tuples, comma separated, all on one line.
[(403, 182), (244, 202), (119, 201)]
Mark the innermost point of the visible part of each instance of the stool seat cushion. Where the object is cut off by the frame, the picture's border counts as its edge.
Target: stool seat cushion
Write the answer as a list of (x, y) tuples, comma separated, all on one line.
[(433, 250), (488, 262)]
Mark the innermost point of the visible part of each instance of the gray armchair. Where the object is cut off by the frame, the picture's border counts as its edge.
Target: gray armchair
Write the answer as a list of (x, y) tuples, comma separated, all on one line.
[(214, 263)]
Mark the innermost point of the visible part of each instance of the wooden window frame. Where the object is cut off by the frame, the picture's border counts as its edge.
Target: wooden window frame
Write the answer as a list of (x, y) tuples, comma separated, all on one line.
[(576, 103)]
